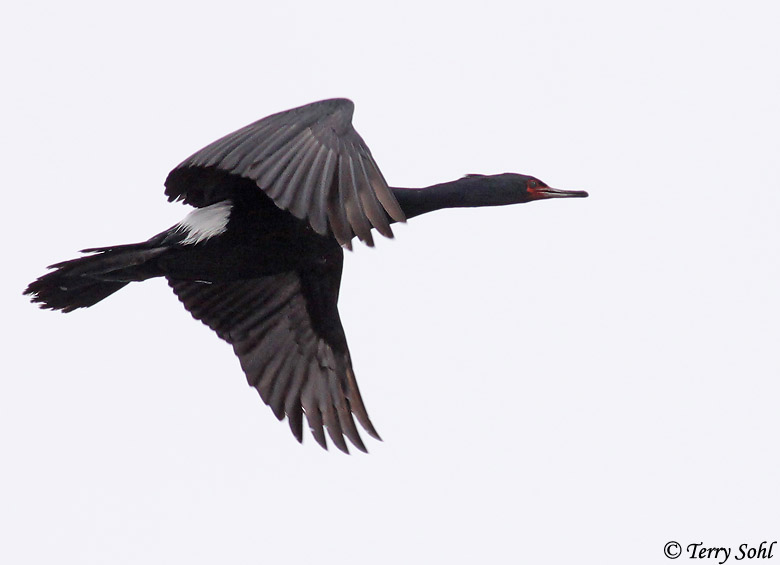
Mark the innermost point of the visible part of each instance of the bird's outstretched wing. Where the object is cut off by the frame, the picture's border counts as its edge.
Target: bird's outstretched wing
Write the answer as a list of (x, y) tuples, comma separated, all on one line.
[(310, 161), (291, 348)]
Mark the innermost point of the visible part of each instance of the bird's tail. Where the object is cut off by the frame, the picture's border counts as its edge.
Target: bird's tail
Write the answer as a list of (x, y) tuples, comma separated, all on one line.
[(83, 282)]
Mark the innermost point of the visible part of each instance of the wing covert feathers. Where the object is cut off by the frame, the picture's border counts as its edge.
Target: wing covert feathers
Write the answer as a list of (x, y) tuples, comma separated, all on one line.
[(310, 161)]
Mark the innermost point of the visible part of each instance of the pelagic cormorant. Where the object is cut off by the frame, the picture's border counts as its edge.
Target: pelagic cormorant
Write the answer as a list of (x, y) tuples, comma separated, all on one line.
[(259, 259)]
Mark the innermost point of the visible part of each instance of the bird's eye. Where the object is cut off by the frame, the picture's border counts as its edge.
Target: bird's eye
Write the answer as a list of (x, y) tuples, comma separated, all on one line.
[(532, 184)]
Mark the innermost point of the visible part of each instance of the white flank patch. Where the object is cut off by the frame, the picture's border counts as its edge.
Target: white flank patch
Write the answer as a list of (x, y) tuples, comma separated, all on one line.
[(203, 223)]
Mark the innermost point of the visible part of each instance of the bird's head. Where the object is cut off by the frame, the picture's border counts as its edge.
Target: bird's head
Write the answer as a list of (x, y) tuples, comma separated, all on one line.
[(513, 188), (538, 190)]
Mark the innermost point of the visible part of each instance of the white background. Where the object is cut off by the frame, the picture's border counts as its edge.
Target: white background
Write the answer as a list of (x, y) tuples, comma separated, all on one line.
[(566, 380)]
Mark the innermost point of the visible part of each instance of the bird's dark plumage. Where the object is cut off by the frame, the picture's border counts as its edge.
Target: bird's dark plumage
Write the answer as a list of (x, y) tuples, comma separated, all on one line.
[(310, 161), (259, 260)]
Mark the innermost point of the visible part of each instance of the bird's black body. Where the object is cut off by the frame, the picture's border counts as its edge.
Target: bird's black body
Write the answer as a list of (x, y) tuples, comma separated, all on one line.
[(259, 261), (260, 239)]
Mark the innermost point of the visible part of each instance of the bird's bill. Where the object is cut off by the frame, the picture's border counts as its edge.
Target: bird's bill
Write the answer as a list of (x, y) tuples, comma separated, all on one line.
[(542, 193)]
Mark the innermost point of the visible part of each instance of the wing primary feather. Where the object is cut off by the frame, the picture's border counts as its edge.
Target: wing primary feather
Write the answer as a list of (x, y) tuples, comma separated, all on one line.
[(351, 200), (255, 158), (263, 378), (346, 423), (282, 383), (301, 203), (356, 403), (336, 213), (308, 201), (266, 152), (292, 401), (274, 166), (329, 412), (288, 185), (259, 319), (271, 373), (285, 382), (254, 359), (259, 325), (382, 191), (295, 419), (253, 148), (313, 416), (374, 211)]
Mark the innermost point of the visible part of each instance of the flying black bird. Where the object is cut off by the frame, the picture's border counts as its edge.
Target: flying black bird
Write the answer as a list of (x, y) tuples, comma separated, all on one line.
[(259, 259)]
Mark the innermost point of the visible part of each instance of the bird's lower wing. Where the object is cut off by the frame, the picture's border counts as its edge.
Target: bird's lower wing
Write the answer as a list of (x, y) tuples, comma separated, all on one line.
[(294, 368)]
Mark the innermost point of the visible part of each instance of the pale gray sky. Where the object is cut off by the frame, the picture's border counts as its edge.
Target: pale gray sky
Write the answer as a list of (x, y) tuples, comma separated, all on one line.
[(582, 379)]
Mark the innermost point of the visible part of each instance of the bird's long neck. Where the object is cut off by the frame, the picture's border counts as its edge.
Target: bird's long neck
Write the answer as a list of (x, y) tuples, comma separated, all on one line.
[(467, 192)]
